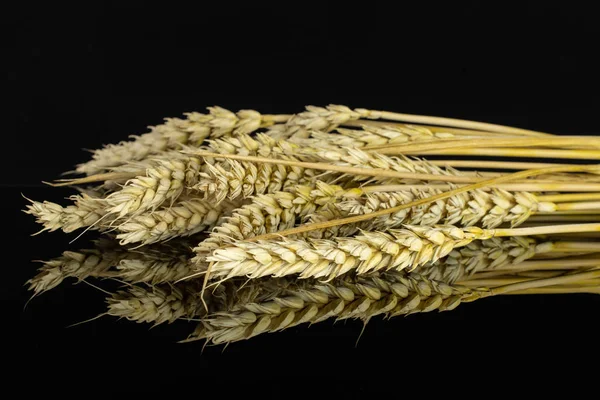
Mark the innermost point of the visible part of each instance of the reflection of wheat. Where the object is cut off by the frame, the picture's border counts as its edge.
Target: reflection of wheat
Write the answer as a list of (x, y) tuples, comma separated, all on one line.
[(391, 294)]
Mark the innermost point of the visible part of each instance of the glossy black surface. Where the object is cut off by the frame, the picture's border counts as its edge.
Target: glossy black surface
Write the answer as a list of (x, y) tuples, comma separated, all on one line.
[(81, 76)]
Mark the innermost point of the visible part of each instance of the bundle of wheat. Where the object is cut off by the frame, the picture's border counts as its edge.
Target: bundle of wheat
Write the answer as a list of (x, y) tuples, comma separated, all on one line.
[(253, 223)]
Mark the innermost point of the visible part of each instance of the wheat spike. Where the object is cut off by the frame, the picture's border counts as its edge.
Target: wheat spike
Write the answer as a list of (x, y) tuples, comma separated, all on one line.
[(174, 133), (314, 118), (185, 218), (85, 211), (270, 213), (369, 136), (486, 207), (244, 179), (165, 181), (358, 298), (400, 249)]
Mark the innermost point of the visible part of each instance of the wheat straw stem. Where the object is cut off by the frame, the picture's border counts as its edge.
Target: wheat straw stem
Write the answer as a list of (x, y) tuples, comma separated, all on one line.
[(441, 196), (590, 205), (442, 121), (463, 143), (545, 230), (502, 152), (545, 219), (559, 198), (484, 164)]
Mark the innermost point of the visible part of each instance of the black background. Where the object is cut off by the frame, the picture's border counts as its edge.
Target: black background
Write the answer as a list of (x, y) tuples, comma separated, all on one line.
[(84, 75)]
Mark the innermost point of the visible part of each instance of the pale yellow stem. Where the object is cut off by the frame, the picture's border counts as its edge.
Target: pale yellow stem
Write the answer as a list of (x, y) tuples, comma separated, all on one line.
[(559, 198), (541, 218), (546, 230), (501, 152), (588, 205), (482, 164), (452, 122), (463, 143)]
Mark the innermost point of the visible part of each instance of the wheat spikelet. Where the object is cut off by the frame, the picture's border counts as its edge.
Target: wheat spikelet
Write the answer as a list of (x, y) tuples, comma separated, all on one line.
[(406, 248), (344, 298)]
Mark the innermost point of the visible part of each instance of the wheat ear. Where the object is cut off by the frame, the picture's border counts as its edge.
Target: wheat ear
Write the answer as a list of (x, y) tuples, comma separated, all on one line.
[(163, 182), (270, 213), (85, 211), (400, 249), (184, 218), (175, 132), (488, 207), (246, 179)]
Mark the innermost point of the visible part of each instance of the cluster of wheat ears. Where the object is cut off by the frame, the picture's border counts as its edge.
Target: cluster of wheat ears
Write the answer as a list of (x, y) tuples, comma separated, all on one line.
[(247, 223)]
